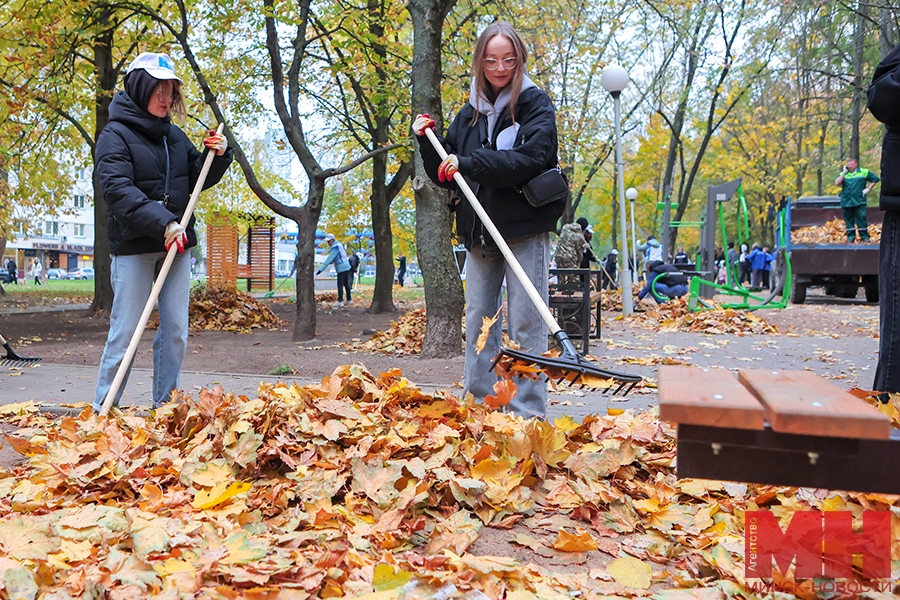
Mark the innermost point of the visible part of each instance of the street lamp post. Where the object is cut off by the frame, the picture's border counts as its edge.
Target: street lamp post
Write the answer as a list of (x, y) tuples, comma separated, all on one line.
[(632, 195), (615, 79)]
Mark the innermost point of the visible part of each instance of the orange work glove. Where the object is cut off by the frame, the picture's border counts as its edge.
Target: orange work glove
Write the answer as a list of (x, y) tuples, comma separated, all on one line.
[(422, 123), (448, 167), (216, 142)]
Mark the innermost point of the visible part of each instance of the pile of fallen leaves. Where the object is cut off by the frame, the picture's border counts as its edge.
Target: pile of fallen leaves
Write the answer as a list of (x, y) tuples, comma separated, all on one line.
[(833, 232), (327, 297), (676, 315), (611, 300), (365, 487), (405, 336), (224, 309)]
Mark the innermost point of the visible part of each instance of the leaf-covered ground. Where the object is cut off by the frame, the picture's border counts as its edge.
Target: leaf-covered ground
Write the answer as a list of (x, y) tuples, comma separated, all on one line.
[(363, 486)]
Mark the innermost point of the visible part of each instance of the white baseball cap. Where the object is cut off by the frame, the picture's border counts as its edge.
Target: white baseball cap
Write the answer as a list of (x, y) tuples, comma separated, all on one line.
[(159, 66), (329, 237), (589, 229)]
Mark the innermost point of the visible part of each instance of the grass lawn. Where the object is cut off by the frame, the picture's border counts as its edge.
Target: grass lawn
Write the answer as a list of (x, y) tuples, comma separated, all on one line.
[(78, 289)]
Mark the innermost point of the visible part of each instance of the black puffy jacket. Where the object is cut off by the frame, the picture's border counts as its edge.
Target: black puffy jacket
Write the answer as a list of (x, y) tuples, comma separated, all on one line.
[(884, 104), (131, 163), (494, 174)]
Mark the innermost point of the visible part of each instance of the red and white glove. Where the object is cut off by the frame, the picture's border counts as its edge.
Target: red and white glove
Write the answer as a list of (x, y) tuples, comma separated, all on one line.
[(422, 123), (448, 167), (216, 142), (175, 234)]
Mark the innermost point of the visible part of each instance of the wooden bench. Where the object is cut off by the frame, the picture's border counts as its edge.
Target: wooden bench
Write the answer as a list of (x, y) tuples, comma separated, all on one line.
[(778, 427), (571, 299)]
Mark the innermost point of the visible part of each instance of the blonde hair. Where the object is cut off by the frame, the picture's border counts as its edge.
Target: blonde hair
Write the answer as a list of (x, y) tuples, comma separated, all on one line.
[(178, 109), (482, 86)]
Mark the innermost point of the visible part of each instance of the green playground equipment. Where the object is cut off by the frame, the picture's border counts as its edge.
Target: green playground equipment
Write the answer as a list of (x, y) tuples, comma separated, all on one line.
[(782, 268)]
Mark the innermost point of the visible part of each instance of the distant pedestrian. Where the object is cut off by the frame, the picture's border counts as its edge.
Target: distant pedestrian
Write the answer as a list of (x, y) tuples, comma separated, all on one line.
[(734, 268), (745, 265), (653, 250), (757, 260), (852, 182), (680, 257), (37, 270), (338, 256), (354, 260), (401, 269), (587, 255), (609, 265), (570, 246), (13, 271)]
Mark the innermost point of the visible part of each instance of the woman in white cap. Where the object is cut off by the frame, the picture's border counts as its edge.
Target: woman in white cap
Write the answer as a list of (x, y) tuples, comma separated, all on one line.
[(147, 167)]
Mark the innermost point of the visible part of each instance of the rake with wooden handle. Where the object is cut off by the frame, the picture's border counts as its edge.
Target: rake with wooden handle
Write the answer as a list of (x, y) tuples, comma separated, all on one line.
[(570, 361), (157, 286)]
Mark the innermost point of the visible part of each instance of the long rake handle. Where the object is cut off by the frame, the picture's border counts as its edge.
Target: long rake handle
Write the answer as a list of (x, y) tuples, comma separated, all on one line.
[(507, 253), (157, 285)]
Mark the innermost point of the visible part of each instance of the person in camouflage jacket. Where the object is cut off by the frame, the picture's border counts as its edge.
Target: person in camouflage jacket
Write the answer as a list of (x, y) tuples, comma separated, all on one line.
[(570, 247)]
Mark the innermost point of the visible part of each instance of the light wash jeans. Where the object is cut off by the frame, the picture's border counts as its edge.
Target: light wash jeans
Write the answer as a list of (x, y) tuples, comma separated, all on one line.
[(484, 280), (132, 279)]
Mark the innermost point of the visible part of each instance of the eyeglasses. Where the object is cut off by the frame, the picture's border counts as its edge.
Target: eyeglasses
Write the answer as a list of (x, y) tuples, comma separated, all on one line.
[(164, 96), (492, 64)]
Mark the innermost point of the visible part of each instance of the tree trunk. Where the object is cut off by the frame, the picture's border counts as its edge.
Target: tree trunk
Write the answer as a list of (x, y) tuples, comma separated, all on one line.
[(106, 76), (305, 324), (859, 42), (443, 290), (382, 296)]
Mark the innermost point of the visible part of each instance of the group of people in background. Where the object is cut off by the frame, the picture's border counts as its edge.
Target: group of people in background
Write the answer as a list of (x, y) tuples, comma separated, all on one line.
[(36, 271)]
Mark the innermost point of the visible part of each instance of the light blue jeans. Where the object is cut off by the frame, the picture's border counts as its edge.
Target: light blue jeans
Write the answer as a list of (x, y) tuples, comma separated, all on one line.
[(132, 279), (484, 280)]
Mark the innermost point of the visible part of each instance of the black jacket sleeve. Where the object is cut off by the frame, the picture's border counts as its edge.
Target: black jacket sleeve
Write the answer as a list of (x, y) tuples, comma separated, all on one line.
[(430, 159), (139, 215), (884, 93), (535, 149)]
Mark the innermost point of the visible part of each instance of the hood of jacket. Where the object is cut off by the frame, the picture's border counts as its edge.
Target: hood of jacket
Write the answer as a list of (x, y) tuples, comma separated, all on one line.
[(126, 111), (492, 111)]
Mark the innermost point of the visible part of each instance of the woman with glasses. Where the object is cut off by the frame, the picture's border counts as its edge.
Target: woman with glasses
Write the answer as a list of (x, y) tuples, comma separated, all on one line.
[(503, 137), (147, 168)]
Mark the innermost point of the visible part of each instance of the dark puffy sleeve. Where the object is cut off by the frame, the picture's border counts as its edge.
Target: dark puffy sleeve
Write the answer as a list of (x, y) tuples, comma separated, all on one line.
[(884, 93), (139, 215), (430, 158), (534, 152)]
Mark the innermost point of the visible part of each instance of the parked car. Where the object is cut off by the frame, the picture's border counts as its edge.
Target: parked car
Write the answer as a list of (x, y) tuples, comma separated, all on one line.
[(279, 273), (5, 276), (57, 274), (84, 273)]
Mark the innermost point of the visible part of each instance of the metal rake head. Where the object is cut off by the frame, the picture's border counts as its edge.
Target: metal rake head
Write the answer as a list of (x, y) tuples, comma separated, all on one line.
[(12, 359), (561, 368)]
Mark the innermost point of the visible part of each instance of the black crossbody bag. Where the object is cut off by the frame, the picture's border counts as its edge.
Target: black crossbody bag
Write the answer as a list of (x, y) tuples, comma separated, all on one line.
[(548, 187)]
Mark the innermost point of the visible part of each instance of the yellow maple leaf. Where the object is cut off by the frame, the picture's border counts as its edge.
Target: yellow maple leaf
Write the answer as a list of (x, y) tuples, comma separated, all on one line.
[(630, 572), (219, 494), (581, 541), (486, 324)]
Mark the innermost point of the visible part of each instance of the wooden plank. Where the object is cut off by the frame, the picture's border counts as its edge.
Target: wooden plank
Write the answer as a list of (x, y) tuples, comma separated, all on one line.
[(576, 297), (711, 397), (773, 458), (804, 403)]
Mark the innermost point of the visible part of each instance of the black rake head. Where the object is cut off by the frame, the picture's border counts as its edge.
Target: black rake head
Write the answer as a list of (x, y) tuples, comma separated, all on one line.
[(12, 359), (587, 374)]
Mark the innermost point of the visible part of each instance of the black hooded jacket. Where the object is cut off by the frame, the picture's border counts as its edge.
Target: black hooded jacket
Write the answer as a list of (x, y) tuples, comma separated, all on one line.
[(131, 161), (884, 104), (494, 174)]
